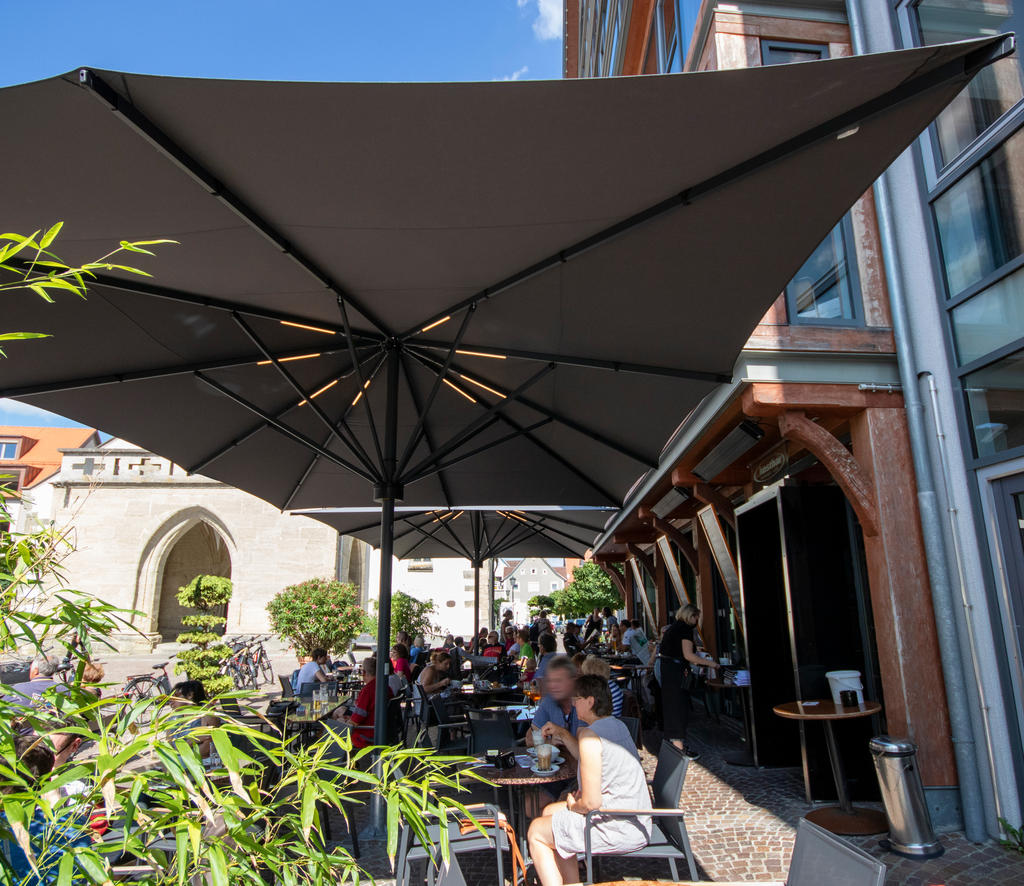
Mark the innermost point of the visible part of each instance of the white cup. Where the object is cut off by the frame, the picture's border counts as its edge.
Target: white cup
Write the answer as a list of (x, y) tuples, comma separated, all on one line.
[(538, 737), (544, 754)]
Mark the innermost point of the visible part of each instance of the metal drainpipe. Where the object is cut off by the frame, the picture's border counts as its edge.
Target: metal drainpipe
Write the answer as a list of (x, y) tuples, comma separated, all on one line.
[(928, 505), (951, 515)]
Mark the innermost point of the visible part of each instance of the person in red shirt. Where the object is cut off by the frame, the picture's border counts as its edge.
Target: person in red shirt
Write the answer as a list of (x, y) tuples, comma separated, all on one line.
[(493, 647), (360, 716), (400, 661)]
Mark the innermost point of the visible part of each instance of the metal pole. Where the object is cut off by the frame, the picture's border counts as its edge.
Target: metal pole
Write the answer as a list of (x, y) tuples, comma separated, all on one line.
[(928, 503), (387, 493), (476, 597)]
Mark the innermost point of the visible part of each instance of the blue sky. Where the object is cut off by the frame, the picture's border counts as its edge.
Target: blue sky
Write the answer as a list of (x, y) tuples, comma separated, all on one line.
[(396, 40)]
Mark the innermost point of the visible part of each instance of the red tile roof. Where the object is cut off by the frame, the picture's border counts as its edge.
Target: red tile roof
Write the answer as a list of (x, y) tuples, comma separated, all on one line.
[(40, 449)]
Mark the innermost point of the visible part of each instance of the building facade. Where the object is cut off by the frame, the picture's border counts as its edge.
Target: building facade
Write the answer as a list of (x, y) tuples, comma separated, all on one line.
[(142, 527), (522, 580), (798, 505)]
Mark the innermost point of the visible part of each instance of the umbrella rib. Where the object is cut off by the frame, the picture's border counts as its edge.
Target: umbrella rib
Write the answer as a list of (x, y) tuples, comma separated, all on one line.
[(127, 112), (433, 535), (249, 434), (547, 450), (582, 362), (572, 424), (509, 530), (557, 516), (414, 394), (455, 538), (74, 384), (474, 428), (353, 444), (421, 423), (533, 530), (493, 444), (220, 304), (363, 383), (284, 429), (961, 67), (548, 527), (316, 457)]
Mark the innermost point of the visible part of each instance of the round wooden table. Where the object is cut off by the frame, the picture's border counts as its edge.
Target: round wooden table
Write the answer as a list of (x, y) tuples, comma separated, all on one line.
[(845, 819)]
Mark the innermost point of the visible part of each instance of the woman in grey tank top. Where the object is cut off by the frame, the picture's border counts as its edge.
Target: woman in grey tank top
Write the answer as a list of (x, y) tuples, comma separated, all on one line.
[(610, 777)]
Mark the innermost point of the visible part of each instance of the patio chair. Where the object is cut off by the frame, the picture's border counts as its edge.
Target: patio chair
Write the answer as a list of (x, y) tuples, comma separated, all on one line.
[(669, 839), (452, 737), (410, 849), (287, 691), (633, 725), (489, 730)]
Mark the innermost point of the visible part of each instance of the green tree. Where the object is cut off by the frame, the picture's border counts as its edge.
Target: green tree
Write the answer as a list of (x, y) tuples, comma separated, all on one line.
[(589, 589), (412, 616), (317, 612), (205, 593), (541, 602)]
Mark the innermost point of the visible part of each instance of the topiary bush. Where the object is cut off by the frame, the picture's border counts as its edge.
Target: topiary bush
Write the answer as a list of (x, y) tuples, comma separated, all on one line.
[(202, 662), (317, 612)]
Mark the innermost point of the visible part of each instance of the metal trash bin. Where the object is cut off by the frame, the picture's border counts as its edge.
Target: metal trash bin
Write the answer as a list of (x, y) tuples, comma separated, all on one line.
[(910, 825)]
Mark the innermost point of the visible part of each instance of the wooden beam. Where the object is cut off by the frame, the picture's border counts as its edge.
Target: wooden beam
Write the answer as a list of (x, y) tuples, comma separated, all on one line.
[(769, 399), (679, 539), (711, 496), (643, 535), (645, 560), (848, 473)]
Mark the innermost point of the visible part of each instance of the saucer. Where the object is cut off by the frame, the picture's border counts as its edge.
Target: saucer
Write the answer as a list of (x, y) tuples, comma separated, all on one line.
[(551, 771)]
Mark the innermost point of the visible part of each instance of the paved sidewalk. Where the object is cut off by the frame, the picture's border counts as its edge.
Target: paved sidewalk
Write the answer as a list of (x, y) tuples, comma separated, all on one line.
[(742, 823)]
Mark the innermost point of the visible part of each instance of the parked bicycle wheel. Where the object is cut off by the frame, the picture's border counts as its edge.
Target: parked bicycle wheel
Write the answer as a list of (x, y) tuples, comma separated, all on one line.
[(139, 689), (266, 668)]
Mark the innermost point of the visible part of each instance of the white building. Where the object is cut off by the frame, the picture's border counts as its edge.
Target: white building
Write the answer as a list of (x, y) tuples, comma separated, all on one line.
[(532, 577), (142, 527)]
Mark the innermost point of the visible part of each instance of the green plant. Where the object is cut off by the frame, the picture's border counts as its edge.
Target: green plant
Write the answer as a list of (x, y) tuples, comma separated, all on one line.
[(33, 266), (541, 603), (588, 590), (412, 616), (252, 819), (317, 612), (202, 662), (1014, 839)]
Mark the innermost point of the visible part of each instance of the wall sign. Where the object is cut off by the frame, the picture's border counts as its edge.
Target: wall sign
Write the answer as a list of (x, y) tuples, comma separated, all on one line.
[(771, 467)]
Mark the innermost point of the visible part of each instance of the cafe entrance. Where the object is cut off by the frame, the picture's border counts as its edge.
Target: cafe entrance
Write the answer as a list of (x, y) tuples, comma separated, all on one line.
[(807, 611)]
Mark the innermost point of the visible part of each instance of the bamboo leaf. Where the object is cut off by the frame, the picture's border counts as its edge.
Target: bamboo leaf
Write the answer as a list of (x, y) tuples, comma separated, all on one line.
[(50, 235)]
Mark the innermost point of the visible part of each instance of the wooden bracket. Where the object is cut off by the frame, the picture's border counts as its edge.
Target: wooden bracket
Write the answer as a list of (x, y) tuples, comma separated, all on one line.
[(616, 578), (848, 473), (711, 496), (645, 560), (679, 539)]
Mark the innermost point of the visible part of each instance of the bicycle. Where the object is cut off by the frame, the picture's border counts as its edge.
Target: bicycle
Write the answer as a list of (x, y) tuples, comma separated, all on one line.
[(261, 661), (239, 665)]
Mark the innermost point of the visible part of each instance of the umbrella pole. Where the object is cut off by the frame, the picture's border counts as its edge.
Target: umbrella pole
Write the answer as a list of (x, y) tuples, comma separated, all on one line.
[(387, 493), (476, 597)]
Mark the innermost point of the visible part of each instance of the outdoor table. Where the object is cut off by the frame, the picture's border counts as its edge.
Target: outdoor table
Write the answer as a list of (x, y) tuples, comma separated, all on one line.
[(845, 819), (303, 717), (635, 675), (528, 784)]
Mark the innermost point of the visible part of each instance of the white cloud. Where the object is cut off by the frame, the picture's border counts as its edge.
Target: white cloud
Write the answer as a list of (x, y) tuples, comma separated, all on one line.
[(548, 24), (515, 75)]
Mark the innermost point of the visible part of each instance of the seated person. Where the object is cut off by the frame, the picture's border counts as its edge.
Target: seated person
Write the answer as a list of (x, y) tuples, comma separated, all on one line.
[(493, 647), (40, 679), (609, 778), (556, 705), (571, 641), (547, 645), (598, 666), (449, 642), (400, 662), (578, 659), (50, 837), (434, 677), (510, 641), (638, 643), (312, 672), (458, 656), (359, 719), (416, 651), (480, 642), (191, 693)]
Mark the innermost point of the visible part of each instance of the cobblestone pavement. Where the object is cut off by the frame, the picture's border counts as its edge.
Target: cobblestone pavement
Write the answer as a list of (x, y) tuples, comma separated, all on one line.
[(742, 823)]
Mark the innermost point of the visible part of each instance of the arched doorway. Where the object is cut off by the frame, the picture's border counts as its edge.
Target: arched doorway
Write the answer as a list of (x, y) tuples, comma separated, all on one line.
[(199, 551)]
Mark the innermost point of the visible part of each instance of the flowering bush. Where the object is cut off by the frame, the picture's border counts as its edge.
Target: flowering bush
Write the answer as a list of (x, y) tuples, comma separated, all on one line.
[(317, 612)]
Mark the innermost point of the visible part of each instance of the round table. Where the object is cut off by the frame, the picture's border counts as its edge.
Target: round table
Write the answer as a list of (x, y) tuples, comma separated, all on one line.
[(528, 782), (845, 818)]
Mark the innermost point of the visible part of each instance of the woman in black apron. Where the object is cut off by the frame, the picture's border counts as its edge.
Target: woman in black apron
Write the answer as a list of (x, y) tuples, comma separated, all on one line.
[(677, 653)]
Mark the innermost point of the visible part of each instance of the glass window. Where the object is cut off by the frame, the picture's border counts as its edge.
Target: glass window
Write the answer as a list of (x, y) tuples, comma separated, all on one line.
[(991, 319), (980, 219), (823, 289), (995, 90), (775, 53), (995, 405), (8, 449)]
